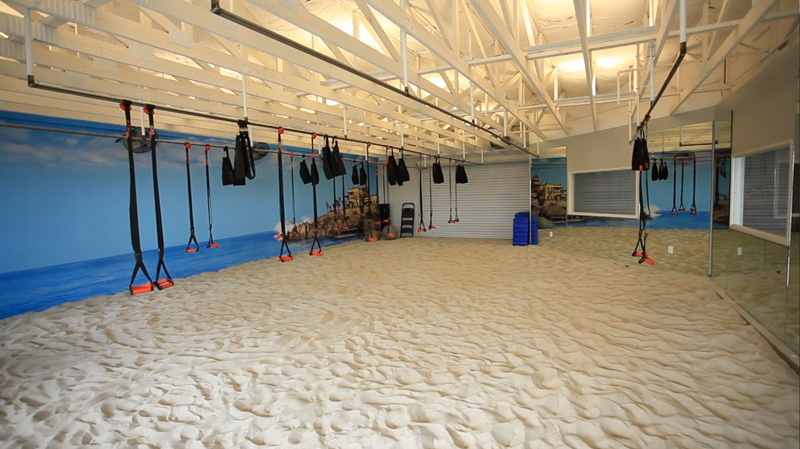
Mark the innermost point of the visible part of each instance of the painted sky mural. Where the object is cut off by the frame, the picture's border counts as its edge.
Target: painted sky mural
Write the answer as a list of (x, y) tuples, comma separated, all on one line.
[(65, 217)]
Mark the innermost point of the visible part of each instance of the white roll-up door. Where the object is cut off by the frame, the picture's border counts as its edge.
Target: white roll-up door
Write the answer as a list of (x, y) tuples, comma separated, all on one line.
[(486, 205)]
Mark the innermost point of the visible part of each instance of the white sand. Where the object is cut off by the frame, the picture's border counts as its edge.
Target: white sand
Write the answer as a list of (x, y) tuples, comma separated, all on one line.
[(415, 343)]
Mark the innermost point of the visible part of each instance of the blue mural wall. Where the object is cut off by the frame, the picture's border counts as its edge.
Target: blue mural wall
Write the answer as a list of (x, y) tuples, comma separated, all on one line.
[(552, 172), (64, 231)]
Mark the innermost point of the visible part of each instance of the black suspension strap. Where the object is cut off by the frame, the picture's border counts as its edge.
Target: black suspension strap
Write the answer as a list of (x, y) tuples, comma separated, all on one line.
[(336, 223), (421, 227), (386, 179), (211, 242), (681, 208), (284, 241), (245, 164), (345, 226), (133, 210), (293, 233), (641, 163), (674, 184), (455, 189), (192, 246), (166, 281), (370, 217), (450, 182), (693, 208), (377, 217), (430, 198), (314, 181)]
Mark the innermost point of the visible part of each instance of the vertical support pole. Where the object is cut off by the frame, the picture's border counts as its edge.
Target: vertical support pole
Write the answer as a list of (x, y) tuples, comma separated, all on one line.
[(652, 72), (344, 119), (682, 19), (555, 84), (404, 50), (472, 101)]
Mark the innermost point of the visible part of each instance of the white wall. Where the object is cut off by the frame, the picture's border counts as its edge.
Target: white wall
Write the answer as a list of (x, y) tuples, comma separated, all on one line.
[(486, 205)]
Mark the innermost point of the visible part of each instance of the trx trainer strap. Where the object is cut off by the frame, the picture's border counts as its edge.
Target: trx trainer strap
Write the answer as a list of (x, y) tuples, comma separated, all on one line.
[(314, 182), (192, 239), (211, 242), (284, 241), (674, 184), (683, 165), (421, 227), (293, 232), (693, 209), (430, 198), (640, 250), (455, 189), (134, 211), (370, 217), (345, 226), (166, 281), (450, 182)]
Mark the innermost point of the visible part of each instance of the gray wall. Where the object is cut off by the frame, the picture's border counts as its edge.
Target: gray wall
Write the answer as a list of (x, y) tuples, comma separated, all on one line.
[(610, 149), (765, 109)]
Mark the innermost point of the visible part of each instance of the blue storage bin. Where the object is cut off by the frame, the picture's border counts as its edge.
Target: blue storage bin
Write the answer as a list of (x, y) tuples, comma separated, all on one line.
[(526, 230)]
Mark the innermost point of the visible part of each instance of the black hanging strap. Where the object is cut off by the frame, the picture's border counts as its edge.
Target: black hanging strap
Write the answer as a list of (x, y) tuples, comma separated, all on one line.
[(314, 181), (674, 185), (421, 227), (244, 164), (430, 195), (284, 241), (640, 250), (450, 182), (293, 233), (455, 190), (370, 217), (693, 208), (211, 242), (345, 226), (681, 208), (192, 246), (166, 281), (133, 210)]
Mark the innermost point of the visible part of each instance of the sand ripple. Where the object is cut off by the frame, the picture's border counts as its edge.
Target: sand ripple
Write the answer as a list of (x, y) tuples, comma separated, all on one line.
[(416, 343)]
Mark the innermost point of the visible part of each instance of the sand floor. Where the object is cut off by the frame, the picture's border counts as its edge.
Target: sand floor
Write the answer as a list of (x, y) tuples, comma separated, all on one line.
[(415, 343), (756, 280)]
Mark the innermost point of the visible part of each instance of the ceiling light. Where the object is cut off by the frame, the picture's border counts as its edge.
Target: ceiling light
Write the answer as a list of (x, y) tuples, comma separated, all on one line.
[(574, 64)]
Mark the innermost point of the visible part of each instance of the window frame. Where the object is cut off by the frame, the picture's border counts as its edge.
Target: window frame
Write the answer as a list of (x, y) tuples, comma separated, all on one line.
[(736, 220), (571, 193)]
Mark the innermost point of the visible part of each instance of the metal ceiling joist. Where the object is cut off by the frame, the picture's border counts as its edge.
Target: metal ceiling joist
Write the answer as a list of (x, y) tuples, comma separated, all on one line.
[(300, 17), (109, 23), (91, 47), (401, 18), (581, 17), (495, 24)]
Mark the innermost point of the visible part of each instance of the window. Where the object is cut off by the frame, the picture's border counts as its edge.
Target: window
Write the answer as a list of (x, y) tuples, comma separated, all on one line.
[(612, 193), (761, 193)]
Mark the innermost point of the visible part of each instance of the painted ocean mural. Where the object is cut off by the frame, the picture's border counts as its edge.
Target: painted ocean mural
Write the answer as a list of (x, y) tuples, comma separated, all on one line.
[(65, 230)]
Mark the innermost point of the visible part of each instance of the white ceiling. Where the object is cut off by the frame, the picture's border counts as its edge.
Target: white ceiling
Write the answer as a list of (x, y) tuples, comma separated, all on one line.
[(518, 65)]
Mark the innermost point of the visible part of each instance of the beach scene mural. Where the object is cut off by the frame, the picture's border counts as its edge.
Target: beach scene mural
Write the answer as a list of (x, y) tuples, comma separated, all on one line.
[(65, 231)]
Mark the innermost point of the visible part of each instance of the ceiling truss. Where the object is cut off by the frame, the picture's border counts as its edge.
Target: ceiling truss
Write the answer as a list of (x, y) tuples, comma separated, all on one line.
[(475, 70)]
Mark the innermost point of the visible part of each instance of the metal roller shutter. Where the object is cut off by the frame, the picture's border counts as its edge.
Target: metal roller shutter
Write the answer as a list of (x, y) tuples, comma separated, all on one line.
[(486, 205), (611, 193)]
